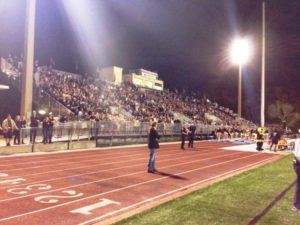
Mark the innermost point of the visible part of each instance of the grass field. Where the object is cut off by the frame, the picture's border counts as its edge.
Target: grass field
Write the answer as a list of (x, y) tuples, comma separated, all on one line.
[(234, 201)]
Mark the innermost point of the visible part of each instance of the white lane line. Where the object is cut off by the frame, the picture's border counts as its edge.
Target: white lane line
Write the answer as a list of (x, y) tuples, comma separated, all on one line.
[(64, 163), (169, 193), (34, 161), (87, 155), (96, 160), (132, 160), (100, 161), (118, 189), (73, 154), (111, 178)]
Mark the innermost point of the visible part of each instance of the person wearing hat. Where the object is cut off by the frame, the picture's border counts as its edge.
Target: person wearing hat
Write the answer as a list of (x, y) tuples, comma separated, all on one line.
[(153, 145), (296, 164)]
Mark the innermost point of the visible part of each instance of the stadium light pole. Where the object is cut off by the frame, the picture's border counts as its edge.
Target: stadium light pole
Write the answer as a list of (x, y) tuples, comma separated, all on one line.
[(263, 67), (27, 76), (240, 53)]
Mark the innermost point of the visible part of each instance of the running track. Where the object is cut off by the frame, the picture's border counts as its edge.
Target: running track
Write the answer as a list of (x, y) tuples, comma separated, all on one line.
[(89, 187)]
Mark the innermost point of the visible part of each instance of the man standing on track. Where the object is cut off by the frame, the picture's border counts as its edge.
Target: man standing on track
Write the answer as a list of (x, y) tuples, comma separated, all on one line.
[(153, 146), (275, 137), (192, 130), (34, 123), (296, 164), (184, 133), (8, 126), (51, 119), (46, 130)]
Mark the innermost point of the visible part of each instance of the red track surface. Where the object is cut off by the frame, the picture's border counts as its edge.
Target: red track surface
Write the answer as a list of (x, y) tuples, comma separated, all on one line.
[(93, 186)]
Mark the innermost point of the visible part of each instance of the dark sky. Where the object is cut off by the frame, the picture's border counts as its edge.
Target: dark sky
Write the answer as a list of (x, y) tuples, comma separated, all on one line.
[(185, 41)]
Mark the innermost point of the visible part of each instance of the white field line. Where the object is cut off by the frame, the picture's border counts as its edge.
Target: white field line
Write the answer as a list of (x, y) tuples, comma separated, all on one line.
[(116, 190), (112, 178), (94, 160), (76, 162), (88, 156), (59, 158), (170, 192), (132, 160)]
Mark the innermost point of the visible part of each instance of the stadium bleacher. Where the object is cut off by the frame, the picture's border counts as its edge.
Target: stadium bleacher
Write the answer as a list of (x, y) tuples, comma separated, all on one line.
[(86, 95)]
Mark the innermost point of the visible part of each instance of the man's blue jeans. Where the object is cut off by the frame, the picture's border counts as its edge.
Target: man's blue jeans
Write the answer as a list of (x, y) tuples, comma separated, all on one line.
[(297, 191), (151, 163)]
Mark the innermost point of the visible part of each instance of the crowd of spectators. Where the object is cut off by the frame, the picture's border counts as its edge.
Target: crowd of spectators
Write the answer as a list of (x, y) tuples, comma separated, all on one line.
[(13, 66), (85, 96)]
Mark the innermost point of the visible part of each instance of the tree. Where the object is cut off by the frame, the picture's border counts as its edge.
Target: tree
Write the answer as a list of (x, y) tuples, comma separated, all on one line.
[(285, 113)]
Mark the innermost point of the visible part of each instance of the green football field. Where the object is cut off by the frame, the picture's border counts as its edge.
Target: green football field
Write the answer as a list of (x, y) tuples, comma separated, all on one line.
[(264, 194)]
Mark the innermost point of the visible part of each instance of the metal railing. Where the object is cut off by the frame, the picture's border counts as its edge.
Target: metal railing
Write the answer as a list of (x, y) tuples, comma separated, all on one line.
[(107, 133)]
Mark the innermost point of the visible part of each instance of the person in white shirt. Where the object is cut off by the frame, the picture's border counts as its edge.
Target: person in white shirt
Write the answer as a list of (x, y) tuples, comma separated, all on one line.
[(296, 161)]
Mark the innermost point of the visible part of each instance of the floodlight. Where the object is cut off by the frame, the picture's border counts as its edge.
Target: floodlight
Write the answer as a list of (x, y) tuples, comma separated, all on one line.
[(241, 51), (4, 87), (42, 112)]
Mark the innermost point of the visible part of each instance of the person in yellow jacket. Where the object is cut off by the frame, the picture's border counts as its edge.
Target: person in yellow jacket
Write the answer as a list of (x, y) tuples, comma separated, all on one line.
[(259, 139)]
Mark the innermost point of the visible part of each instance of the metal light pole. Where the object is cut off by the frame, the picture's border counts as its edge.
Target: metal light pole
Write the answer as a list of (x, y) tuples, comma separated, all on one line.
[(263, 67), (240, 91), (27, 76), (240, 54)]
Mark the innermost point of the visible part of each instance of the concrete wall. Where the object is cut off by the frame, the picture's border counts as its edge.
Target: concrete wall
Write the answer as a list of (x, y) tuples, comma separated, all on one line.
[(56, 146), (111, 74), (101, 142)]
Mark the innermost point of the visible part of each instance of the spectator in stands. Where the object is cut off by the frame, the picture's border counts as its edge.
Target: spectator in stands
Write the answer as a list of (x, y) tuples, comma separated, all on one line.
[(153, 146), (62, 119), (8, 126), (34, 123), (83, 94), (17, 139)]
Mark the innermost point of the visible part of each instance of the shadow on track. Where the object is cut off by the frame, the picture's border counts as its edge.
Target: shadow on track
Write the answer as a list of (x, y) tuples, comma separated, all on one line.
[(170, 175)]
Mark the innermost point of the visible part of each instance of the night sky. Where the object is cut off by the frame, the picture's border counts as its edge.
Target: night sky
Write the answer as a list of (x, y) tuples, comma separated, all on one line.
[(185, 41)]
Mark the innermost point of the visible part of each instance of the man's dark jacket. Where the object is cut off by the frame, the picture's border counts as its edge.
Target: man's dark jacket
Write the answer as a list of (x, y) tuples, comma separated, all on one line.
[(153, 139)]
